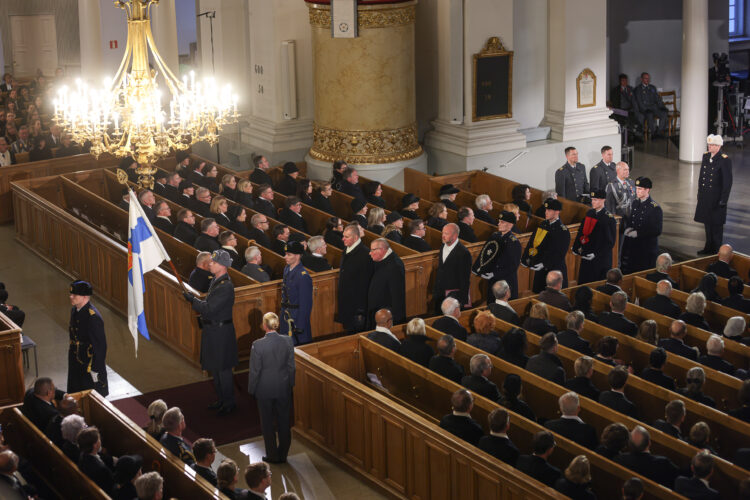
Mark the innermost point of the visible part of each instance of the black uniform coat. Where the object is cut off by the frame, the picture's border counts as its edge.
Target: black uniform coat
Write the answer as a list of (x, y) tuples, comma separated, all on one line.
[(447, 367), (565, 181), (265, 207), (416, 243), (714, 184), (550, 253), (354, 280), (387, 289), (500, 256), (600, 242), (452, 277), (466, 232), (640, 253), (575, 430), (218, 342), (88, 350)]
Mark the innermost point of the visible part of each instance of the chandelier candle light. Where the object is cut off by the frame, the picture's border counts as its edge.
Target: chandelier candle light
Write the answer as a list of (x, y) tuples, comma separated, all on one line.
[(126, 116)]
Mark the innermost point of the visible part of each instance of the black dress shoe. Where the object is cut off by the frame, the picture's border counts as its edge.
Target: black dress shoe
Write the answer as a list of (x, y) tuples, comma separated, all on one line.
[(226, 410), (270, 461), (215, 405)]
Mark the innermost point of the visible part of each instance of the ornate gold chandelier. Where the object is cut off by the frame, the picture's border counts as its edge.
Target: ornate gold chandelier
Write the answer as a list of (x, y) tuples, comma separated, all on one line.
[(126, 116)]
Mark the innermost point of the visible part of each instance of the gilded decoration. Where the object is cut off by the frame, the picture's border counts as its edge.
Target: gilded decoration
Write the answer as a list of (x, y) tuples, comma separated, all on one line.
[(365, 146), (380, 18)]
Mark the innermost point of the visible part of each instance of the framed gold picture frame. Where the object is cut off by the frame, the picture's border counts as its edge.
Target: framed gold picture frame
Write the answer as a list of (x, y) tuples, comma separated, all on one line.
[(586, 89), (492, 89)]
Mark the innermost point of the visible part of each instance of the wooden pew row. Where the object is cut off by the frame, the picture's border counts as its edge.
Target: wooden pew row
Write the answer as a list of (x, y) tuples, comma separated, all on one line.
[(398, 450), (740, 262), (48, 462), (407, 381), (122, 436), (690, 277), (543, 396), (12, 384), (715, 314)]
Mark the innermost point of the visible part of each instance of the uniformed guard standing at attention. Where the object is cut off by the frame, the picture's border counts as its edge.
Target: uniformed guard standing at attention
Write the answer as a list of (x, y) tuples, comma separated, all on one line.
[(595, 240), (218, 342), (296, 296), (500, 257), (714, 185), (641, 245), (570, 179), (603, 172), (87, 366), (548, 246)]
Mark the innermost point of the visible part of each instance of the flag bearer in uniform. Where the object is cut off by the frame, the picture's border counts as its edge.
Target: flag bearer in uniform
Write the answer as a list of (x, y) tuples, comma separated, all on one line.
[(548, 246), (595, 240)]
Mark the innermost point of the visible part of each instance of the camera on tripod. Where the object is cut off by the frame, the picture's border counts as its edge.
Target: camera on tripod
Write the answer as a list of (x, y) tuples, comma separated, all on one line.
[(721, 68)]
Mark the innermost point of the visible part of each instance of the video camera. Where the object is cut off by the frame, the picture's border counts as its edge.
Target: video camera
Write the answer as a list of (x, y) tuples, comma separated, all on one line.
[(721, 67)]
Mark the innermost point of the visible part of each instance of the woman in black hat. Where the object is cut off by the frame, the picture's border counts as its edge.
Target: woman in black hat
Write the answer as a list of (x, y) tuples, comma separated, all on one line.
[(409, 206), (394, 223), (288, 185), (447, 195), (127, 470)]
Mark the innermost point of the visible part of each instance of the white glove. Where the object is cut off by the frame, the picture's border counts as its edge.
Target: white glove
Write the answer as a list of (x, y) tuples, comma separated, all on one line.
[(588, 257), (537, 267), (627, 231), (95, 376), (632, 234), (488, 276)]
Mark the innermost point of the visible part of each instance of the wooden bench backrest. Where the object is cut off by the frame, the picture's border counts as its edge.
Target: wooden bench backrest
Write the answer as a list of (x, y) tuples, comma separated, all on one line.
[(690, 278), (12, 386), (740, 262)]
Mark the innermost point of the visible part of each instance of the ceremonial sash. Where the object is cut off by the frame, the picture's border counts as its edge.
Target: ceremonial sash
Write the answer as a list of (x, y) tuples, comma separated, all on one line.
[(588, 226), (538, 238)]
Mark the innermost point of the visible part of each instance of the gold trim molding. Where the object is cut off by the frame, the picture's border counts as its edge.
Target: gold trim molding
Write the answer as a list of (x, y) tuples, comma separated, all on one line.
[(320, 16), (365, 146)]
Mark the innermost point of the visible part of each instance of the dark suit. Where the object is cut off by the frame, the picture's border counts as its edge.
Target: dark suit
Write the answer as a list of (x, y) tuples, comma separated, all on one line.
[(333, 238), (538, 325), (354, 279), (700, 397), (696, 320), (244, 199), (384, 339), (94, 468), (450, 326), (387, 289), (608, 288), (657, 377), (485, 216), (447, 367), (416, 243), (501, 448), (663, 305), (737, 302), (580, 432), (571, 182), (452, 276), (206, 473), (315, 263), (505, 313), (678, 347), (547, 366), (721, 269), (618, 322), (37, 410), (717, 363), (667, 428), (238, 261), (260, 237), (657, 468), (293, 219), (271, 382), (695, 489), (465, 428), (354, 190), (618, 402), (323, 204), (206, 243), (259, 176), (286, 186), (583, 387), (489, 342), (265, 207), (279, 247), (482, 386), (555, 298), (571, 339), (539, 469), (416, 348), (466, 233), (200, 279)]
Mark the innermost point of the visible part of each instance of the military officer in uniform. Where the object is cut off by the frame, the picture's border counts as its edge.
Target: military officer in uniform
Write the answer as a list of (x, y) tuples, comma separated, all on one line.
[(620, 193), (650, 105), (603, 172), (623, 98), (500, 257), (570, 179), (641, 245), (595, 240), (87, 367), (547, 247), (296, 296), (218, 342), (714, 184)]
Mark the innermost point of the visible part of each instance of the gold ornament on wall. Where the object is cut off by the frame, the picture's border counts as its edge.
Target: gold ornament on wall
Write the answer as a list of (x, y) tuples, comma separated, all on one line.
[(586, 89), (365, 146), (377, 17)]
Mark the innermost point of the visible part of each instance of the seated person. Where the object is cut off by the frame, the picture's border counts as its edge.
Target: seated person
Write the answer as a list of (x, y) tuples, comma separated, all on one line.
[(514, 347), (382, 334), (443, 363), (576, 480), (38, 404), (254, 266), (707, 286), (654, 374), (663, 265), (583, 297), (647, 332), (205, 451), (184, 230), (571, 337), (227, 475), (415, 238), (736, 299), (40, 150), (477, 382), (640, 460), (536, 464), (661, 303), (288, 184), (127, 470), (373, 192), (606, 349), (615, 319), (91, 463), (447, 196), (546, 364), (614, 280), (676, 341), (156, 411), (552, 294), (623, 99), (498, 444), (281, 235), (521, 196), (743, 412), (482, 212), (70, 427), (702, 466), (695, 378), (438, 216), (394, 224), (651, 106), (459, 422), (15, 314), (208, 240), (581, 383), (722, 265), (259, 226), (291, 214), (713, 357), (570, 424), (321, 198), (258, 479), (500, 307), (538, 320), (415, 345), (511, 397), (700, 436), (448, 322), (314, 259), (674, 416), (694, 308), (334, 234), (376, 221), (149, 486), (174, 423), (66, 406), (615, 438), (485, 337), (465, 221), (200, 277), (615, 398), (162, 217)]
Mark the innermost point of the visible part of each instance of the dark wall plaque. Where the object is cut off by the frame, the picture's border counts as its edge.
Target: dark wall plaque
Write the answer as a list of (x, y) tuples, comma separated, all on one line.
[(493, 82)]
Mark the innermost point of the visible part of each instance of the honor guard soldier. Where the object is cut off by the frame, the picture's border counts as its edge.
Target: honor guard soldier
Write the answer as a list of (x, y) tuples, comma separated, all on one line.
[(500, 257), (548, 246), (641, 245), (570, 179), (714, 184), (218, 342), (595, 240), (296, 296), (87, 367), (603, 172)]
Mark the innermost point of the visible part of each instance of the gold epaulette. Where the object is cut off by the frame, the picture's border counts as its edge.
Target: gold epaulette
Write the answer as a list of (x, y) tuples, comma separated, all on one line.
[(91, 312), (724, 155)]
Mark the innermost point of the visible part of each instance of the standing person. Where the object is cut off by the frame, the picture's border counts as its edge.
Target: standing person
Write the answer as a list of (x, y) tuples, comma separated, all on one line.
[(620, 194), (500, 257), (296, 296), (641, 245), (452, 277), (603, 172), (87, 367), (218, 342), (595, 240), (547, 247), (570, 179), (270, 382), (714, 184), (354, 280), (388, 283)]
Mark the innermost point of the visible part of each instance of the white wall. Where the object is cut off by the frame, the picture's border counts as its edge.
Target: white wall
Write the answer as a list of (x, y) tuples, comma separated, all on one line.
[(114, 23), (529, 61)]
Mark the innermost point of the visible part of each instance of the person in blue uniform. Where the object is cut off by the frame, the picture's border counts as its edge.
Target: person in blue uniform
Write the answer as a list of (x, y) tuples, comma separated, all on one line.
[(296, 296), (570, 179), (651, 106), (218, 342), (595, 240), (714, 185), (641, 245), (548, 246), (87, 367), (500, 257)]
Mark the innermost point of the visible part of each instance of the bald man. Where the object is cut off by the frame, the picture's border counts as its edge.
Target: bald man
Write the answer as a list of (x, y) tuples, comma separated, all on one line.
[(722, 267), (454, 269), (382, 334)]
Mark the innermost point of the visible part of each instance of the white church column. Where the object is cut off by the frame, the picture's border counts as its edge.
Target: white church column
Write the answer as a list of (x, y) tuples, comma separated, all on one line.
[(577, 41), (89, 27), (164, 28), (693, 109)]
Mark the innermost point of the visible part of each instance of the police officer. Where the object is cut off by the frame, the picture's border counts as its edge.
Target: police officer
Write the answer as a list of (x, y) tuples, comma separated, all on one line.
[(714, 184), (218, 342), (641, 245), (650, 105), (500, 257), (595, 240), (603, 172), (87, 367), (570, 179), (547, 247), (296, 296)]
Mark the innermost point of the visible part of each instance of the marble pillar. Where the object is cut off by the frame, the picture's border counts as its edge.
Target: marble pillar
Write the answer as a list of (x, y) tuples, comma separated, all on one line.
[(89, 27), (694, 89), (164, 29)]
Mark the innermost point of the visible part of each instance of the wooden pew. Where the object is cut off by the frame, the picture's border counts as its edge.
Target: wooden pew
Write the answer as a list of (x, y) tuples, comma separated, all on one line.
[(12, 384), (690, 278), (740, 262), (48, 462), (406, 381), (543, 396)]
